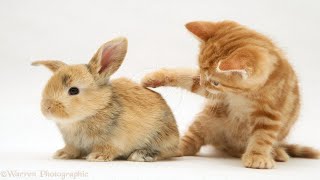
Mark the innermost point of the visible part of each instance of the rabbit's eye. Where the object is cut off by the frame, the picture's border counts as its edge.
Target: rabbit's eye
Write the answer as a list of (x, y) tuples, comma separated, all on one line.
[(73, 91), (215, 83)]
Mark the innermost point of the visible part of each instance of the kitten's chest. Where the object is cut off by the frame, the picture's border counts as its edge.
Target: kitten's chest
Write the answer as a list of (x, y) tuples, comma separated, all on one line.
[(239, 108), (237, 124), (232, 130)]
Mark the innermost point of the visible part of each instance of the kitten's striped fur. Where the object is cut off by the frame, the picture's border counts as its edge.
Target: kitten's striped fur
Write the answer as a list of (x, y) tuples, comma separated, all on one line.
[(252, 95)]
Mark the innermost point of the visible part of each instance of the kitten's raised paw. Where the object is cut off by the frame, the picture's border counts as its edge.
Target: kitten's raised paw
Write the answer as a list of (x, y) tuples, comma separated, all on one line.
[(156, 79), (63, 154), (99, 157), (258, 161)]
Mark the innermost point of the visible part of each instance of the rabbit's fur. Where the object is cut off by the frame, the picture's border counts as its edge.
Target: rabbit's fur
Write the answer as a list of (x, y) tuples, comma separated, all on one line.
[(107, 119)]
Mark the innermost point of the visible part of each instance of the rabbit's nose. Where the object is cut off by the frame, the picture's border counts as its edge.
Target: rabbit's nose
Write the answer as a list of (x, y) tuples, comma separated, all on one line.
[(47, 105)]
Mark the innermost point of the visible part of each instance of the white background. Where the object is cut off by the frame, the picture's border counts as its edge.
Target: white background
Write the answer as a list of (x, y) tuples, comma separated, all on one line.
[(73, 30)]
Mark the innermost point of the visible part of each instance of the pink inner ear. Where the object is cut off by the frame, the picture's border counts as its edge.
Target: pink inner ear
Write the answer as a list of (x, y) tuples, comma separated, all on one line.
[(225, 66), (235, 63), (106, 58)]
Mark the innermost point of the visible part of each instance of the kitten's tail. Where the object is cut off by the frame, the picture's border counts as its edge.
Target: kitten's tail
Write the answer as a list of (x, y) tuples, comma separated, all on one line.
[(295, 150)]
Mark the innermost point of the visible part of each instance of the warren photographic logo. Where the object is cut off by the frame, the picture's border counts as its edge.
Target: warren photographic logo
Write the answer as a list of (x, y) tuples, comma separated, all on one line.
[(45, 174)]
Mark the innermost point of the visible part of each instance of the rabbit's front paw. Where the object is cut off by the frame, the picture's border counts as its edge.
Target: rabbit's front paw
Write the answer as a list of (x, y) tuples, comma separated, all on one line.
[(143, 155), (258, 161), (157, 79), (66, 153), (100, 156)]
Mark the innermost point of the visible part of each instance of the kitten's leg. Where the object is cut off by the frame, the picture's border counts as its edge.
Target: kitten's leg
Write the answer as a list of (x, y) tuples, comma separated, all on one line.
[(68, 152), (192, 141), (188, 79), (280, 154), (264, 135), (144, 155), (102, 153)]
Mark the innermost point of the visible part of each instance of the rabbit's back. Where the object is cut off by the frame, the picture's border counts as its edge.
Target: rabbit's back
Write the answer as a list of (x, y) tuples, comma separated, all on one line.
[(146, 118)]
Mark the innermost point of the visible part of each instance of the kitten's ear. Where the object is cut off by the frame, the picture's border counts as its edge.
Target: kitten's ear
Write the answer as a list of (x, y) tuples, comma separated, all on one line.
[(108, 58), (201, 29), (238, 62), (53, 65)]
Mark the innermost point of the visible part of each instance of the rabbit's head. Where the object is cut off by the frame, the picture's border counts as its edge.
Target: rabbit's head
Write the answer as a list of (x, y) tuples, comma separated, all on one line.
[(75, 92)]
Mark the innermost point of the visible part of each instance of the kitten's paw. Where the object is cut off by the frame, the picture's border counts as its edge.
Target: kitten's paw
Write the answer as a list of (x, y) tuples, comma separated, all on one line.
[(142, 156), (189, 144), (258, 161), (100, 157), (156, 79), (280, 155), (187, 149), (63, 154)]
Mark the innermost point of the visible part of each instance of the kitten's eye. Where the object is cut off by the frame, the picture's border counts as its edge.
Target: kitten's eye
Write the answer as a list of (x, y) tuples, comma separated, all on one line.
[(73, 91), (216, 83)]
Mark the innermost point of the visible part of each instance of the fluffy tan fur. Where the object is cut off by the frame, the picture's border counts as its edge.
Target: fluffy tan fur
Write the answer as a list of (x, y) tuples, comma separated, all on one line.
[(252, 95), (107, 119)]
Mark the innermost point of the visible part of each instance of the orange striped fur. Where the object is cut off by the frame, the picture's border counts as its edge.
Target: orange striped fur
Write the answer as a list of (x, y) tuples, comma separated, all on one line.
[(252, 95)]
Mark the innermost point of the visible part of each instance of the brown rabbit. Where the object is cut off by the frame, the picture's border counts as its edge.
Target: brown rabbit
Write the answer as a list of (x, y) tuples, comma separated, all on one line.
[(103, 119)]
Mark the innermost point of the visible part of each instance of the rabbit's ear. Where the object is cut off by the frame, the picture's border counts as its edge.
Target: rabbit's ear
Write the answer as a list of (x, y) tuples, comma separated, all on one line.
[(53, 65), (108, 58)]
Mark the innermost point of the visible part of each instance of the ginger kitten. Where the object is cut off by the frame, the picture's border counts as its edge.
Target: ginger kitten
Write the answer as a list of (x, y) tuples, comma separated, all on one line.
[(252, 95)]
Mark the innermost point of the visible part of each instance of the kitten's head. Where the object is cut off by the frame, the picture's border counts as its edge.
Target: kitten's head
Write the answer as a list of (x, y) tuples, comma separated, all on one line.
[(232, 57)]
